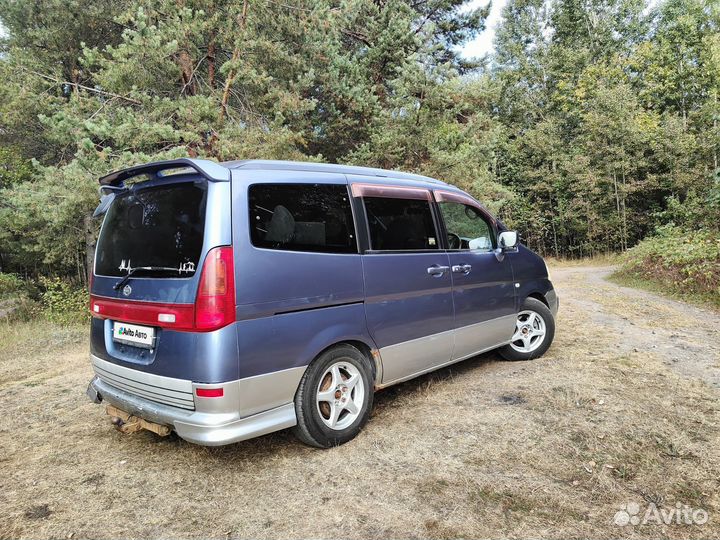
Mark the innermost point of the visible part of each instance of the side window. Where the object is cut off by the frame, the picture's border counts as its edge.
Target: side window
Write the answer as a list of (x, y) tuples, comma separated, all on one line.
[(467, 228), (400, 224), (302, 217)]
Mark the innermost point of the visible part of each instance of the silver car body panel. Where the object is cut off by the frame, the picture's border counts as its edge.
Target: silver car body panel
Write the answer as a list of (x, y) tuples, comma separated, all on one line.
[(409, 359), (165, 390), (553, 301), (248, 408)]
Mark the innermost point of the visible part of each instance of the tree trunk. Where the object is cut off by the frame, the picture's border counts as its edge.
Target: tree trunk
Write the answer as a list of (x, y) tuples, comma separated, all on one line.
[(624, 211), (211, 62), (617, 203), (233, 72), (715, 124), (90, 243), (188, 73), (554, 231)]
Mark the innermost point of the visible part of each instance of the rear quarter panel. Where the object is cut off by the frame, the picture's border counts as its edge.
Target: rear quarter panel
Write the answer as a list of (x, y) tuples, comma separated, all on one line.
[(291, 305)]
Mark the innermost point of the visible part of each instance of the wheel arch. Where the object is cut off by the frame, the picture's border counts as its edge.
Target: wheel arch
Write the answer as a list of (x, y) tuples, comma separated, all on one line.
[(366, 349), (539, 296)]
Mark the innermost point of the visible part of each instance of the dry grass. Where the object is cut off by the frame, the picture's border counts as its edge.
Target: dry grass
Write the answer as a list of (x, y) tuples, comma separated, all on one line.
[(676, 291), (549, 448), (602, 259)]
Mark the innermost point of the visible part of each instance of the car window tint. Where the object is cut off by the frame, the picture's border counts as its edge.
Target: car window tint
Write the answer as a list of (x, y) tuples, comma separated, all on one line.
[(302, 217), (400, 224), (467, 228), (160, 226)]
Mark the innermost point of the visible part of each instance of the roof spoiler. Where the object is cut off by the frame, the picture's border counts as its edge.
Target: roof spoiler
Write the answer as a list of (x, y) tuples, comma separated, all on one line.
[(209, 169)]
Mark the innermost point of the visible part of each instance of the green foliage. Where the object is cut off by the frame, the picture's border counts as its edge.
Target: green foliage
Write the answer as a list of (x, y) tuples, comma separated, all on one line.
[(11, 285), (17, 298), (611, 114), (593, 123), (684, 261), (63, 302)]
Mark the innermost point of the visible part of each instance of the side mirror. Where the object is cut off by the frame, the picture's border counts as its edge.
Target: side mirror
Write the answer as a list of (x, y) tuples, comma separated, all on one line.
[(508, 240)]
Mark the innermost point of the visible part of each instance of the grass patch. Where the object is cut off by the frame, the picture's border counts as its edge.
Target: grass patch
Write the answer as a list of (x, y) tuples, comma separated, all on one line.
[(607, 259), (700, 299), (32, 352), (24, 337), (676, 261)]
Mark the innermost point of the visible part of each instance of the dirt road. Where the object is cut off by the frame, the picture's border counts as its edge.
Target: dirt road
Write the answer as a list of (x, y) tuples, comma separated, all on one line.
[(623, 409)]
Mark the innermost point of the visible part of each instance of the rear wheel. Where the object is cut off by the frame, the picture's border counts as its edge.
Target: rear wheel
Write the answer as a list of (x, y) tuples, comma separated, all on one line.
[(534, 332), (335, 396)]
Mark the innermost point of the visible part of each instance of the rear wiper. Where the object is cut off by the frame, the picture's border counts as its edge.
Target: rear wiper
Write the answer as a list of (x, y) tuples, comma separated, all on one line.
[(131, 271)]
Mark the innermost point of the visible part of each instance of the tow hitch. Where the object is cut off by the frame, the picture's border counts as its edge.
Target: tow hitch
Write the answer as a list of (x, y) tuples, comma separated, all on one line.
[(127, 423)]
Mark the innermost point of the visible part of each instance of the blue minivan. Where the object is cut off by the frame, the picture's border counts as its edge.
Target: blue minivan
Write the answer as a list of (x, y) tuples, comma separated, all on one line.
[(236, 299)]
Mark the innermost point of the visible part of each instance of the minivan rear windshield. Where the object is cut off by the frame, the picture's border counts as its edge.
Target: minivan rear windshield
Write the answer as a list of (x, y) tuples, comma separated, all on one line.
[(159, 226)]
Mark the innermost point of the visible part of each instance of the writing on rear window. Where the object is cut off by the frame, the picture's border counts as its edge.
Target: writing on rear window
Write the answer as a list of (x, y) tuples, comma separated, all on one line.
[(155, 232)]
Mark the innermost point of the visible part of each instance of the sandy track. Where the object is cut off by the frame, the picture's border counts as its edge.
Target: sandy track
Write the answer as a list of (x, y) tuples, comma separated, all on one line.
[(623, 408), (686, 337)]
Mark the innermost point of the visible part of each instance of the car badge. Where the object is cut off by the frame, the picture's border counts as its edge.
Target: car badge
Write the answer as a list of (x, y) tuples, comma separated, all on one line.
[(127, 290)]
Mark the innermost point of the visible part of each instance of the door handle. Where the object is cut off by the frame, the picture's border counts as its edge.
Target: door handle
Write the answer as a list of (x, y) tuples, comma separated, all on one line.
[(437, 271), (461, 268)]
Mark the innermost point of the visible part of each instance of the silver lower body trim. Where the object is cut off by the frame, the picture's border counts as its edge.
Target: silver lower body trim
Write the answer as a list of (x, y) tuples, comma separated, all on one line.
[(476, 338), (205, 428), (438, 366), (165, 390), (401, 360), (553, 301), (249, 407), (409, 359)]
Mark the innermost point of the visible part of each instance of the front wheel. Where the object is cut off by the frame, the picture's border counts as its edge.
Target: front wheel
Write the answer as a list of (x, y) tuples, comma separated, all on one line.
[(534, 332), (335, 396)]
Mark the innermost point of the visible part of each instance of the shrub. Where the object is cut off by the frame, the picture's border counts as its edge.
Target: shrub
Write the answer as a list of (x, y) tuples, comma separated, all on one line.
[(17, 298), (681, 260), (11, 285), (64, 302)]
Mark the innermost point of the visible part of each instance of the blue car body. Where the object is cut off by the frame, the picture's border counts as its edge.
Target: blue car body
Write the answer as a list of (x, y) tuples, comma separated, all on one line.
[(289, 306)]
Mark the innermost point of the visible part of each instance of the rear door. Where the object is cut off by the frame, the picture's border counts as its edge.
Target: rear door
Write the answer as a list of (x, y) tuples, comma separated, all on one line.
[(162, 229), (483, 287), (408, 289)]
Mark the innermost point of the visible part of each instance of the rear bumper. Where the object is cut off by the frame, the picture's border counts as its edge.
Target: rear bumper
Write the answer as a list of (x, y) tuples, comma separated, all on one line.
[(205, 428), (247, 407)]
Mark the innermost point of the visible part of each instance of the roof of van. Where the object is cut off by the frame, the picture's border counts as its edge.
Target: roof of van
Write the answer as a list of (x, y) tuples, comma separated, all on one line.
[(263, 164), (220, 171)]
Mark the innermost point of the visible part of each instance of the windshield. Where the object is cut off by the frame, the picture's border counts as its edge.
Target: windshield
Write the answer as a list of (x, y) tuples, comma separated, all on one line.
[(159, 226)]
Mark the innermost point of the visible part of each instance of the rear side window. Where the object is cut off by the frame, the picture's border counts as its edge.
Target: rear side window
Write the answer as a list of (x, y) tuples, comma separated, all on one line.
[(160, 227), (302, 217), (400, 224)]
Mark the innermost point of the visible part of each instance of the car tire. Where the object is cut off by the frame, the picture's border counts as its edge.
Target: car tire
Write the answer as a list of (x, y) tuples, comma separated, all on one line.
[(534, 332), (334, 398)]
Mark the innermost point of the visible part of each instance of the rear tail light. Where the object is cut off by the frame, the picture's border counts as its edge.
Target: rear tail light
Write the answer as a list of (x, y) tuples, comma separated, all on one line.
[(177, 316), (215, 303), (214, 306)]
